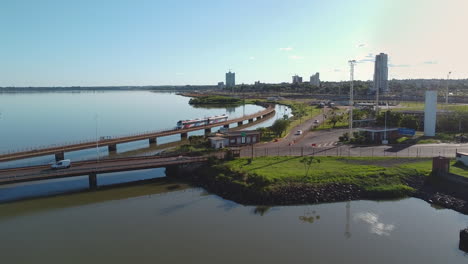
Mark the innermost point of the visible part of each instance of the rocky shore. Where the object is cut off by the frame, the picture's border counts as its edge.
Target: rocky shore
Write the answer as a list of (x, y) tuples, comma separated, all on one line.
[(439, 193)]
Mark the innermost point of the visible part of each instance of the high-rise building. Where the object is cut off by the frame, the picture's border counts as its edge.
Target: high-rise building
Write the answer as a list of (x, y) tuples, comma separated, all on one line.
[(315, 79), (381, 73), (220, 85), (296, 79), (230, 79)]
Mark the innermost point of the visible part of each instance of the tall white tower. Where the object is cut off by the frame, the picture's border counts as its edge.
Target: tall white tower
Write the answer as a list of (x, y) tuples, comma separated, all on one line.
[(380, 73), (430, 113)]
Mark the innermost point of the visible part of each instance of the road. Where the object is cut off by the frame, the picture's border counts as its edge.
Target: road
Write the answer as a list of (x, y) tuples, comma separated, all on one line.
[(32, 173)]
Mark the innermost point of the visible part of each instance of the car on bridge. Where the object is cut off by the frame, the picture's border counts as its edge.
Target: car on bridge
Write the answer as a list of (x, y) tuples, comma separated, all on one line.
[(61, 164)]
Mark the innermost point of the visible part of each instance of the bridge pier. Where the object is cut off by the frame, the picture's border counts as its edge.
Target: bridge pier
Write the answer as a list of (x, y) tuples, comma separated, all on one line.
[(240, 123), (153, 141), (183, 135), (59, 156), (207, 131), (92, 178), (112, 147)]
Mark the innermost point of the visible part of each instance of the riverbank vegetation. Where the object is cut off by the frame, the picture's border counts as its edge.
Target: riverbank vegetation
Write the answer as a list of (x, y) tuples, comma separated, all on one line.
[(216, 100), (287, 180)]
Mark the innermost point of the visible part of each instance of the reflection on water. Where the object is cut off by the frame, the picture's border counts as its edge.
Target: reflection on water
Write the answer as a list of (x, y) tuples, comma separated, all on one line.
[(376, 226), (261, 210), (169, 222), (309, 216)]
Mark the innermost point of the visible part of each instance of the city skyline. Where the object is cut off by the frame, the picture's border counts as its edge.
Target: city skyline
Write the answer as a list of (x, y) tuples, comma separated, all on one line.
[(113, 43)]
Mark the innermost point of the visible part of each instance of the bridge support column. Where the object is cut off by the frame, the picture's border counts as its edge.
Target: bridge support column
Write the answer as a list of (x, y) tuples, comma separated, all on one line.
[(59, 156), (251, 120), (240, 123), (153, 141), (183, 135), (207, 131), (112, 148), (92, 180), (226, 126)]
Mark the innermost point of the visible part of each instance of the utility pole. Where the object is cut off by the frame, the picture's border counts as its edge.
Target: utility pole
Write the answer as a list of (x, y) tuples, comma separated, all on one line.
[(351, 97), (447, 90)]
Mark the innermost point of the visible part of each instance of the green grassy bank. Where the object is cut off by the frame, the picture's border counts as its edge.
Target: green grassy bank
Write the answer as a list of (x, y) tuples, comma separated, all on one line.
[(350, 178)]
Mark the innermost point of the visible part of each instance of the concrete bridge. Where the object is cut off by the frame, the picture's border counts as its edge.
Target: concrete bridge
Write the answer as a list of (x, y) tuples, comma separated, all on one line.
[(59, 151), (92, 168)]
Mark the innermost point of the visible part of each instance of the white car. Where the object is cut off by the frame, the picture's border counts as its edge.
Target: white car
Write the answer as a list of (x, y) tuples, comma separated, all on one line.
[(316, 121), (61, 164), (299, 132)]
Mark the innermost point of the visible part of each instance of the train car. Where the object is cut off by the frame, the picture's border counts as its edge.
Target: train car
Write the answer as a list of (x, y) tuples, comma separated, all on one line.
[(217, 119), (184, 124)]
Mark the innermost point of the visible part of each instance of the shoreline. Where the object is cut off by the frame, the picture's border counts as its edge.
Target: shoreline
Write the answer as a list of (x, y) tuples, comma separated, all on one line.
[(437, 192)]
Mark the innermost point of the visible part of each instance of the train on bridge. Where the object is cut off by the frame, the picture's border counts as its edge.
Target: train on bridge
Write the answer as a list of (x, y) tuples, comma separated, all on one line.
[(182, 124)]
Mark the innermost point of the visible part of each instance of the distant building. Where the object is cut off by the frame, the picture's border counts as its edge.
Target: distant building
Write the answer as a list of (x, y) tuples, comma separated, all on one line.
[(315, 79), (230, 79), (220, 85), (296, 79), (380, 74), (257, 83)]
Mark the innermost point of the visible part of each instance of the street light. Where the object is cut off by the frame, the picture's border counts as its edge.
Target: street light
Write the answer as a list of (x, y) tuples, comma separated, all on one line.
[(447, 90), (351, 95), (97, 139)]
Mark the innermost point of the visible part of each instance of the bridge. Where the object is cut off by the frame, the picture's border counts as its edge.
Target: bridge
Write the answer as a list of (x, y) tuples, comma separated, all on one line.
[(111, 143), (92, 168)]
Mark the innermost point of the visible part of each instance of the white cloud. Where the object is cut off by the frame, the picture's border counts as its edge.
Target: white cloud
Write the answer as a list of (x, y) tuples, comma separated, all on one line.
[(336, 70), (430, 62), (295, 57), (398, 65), (179, 73), (376, 227), (251, 58), (286, 49)]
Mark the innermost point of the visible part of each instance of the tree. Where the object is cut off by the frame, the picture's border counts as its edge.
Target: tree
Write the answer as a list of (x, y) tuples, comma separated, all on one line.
[(335, 118), (393, 119), (279, 126), (409, 121), (300, 111), (307, 161)]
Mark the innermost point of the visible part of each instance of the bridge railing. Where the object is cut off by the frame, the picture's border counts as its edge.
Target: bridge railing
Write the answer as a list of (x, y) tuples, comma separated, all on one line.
[(106, 139)]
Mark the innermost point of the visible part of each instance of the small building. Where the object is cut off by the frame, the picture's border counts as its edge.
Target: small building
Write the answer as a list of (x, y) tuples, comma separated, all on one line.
[(377, 134), (218, 142), (235, 138), (240, 138), (462, 157)]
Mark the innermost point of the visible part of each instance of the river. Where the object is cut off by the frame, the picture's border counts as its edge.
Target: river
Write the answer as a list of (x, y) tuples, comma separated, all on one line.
[(170, 222)]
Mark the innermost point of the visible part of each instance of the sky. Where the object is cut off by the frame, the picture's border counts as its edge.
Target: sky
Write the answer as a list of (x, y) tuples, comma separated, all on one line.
[(180, 42)]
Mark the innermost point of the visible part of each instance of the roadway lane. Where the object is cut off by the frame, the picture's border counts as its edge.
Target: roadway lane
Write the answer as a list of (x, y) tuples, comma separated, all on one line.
[(8, 176)]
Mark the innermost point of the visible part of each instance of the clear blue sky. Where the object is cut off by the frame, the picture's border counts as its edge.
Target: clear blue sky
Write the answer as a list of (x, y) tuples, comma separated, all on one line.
[(143, 42)]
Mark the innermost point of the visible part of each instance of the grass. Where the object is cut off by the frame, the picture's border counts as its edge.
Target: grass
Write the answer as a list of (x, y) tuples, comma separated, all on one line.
[(459, 169), (420, 106), (377, 174)]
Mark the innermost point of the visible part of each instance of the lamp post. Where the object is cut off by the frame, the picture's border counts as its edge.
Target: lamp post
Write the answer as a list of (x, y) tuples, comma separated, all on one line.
[(447, 90), (351, 96), (97, 139)]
